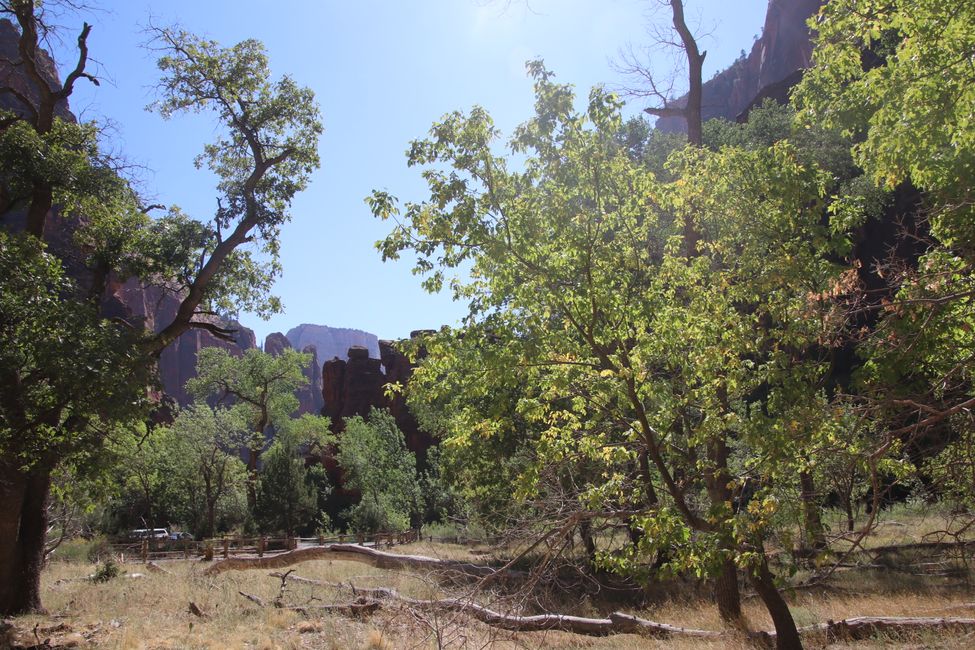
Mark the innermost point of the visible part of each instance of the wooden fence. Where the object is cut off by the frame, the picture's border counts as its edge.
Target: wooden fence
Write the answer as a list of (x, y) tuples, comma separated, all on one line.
[(166, 549)]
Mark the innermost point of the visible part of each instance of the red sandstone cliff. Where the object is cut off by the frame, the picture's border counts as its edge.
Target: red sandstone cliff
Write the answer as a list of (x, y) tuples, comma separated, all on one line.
[(784, 48), (177, 364), (355, 386)]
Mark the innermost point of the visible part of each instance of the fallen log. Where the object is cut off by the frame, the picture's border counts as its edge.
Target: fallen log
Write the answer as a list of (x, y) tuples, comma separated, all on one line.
[(850, 629), (356, 553), (864, 627), (859, 628), (257, 600), (616, 623), (360, 608)]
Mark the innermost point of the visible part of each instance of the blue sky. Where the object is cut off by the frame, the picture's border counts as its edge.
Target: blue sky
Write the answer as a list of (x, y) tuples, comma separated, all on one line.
[(383, 71)]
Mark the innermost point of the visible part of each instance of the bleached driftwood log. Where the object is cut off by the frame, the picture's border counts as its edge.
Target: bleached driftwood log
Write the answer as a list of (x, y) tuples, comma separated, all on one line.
[(356, 553)]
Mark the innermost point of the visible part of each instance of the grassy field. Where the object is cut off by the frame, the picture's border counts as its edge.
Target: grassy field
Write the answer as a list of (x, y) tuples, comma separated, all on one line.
[(153, 609)]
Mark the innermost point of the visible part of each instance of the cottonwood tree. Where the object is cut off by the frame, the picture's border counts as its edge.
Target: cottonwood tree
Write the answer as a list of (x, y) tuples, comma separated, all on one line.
[(291, 491), (376, 462), (69, 375), (204, 443), (262, 386), (897, 77), (580, 275)]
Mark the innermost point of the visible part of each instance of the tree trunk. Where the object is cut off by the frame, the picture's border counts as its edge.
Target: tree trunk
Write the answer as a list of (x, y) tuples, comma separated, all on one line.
[(812, 516), (585, 532), (726, 593), (254, 456), (850, 519), (211, 516), (786, 634), (23, 526)]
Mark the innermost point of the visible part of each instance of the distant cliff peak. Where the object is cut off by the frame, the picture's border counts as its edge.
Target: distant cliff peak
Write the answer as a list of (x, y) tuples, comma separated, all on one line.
[(332, 342)]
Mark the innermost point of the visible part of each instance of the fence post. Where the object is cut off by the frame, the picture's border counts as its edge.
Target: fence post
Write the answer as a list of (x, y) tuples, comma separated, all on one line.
[(226, 548), (145, 550), (321, 540)]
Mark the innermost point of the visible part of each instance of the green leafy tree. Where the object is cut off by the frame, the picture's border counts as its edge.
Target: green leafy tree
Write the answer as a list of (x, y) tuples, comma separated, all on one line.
[(66, 378), (897, 78), (290, 492), (656, 367), (376, 463), (204, 445), (69, 375), (149, 486), (260, 385)]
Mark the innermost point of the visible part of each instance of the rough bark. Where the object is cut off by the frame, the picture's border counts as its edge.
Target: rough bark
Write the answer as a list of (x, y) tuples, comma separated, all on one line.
[(726, 592), (585, 532), (23, 526), (811, 512), (786, 634), (850, 518)]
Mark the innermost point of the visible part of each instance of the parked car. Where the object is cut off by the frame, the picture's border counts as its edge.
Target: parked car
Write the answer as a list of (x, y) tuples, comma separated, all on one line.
[(145, 533), (180, 536)]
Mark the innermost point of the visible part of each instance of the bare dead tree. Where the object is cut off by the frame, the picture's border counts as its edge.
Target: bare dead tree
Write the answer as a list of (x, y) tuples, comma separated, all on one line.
[(659, 88)]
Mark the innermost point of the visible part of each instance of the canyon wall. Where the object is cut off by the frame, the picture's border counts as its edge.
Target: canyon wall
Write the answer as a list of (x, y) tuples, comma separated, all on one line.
[(332, 342), (784, 48)]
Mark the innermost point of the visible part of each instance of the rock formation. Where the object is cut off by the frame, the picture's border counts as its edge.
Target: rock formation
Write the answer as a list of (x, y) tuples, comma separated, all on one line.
[(352, 387), (355, 386), (310, 396), (784, 47), (332, 341), (156, 308)]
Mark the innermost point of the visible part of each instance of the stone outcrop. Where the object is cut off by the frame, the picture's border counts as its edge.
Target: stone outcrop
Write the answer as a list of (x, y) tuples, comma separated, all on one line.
[(276, 343), (332, 341), (311, 400), (784, 48), (355, 386), (156, 308), (309, 396), (352, 387), (13, 77)]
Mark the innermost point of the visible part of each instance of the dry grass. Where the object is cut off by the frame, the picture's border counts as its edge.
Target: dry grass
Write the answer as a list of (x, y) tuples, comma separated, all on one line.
[(151, 611)]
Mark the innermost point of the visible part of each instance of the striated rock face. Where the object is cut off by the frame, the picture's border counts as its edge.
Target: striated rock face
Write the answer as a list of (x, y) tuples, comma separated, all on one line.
[(13, 77), (311, 399), (129, 300), (784, 48), (332, 341), (352, 387)]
